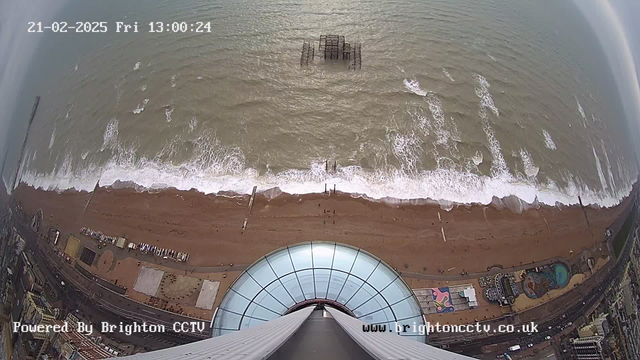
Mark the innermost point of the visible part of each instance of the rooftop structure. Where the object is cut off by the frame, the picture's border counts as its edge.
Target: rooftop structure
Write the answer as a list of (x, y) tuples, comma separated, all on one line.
[(347, 278), (588, 348), (447, 299)]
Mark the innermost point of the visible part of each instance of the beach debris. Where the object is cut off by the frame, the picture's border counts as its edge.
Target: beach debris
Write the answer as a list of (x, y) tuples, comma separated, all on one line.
[(444, 237)]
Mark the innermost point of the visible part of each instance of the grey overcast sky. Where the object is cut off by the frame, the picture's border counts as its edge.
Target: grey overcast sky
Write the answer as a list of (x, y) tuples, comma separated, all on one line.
[(615, 22)]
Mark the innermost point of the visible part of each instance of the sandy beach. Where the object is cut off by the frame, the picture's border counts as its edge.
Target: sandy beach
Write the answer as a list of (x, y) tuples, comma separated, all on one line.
[(408, 237)]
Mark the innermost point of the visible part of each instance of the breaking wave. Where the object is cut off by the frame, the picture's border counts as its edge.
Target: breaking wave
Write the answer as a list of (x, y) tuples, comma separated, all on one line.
[(414, 87), (110, 136), (212, 167), (215, 168), (446, 73), (548, 141), (530, 169)]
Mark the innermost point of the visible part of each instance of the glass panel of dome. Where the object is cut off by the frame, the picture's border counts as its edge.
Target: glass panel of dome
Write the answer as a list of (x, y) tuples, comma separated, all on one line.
[(262, 273), (248, 322), (365, 293), (374, 303), (280, 262), (291, 283), (322, 282), (382, 276), (279, 292), (337, 279), (234, 302), (344, 258), (256, 311), (267, 300), (226, 320), (351, 285), (246, 286), (322, 255), (301, 256), (406, 308), (307, 283), (381, 316), (364, 266), (414, 321), (396, 291)]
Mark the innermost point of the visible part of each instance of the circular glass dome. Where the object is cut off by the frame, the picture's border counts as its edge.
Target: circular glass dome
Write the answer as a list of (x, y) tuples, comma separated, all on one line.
[(345, 277)]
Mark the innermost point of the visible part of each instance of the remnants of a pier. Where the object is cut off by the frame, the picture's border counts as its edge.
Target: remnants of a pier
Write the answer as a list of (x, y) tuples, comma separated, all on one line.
[(332, 48)]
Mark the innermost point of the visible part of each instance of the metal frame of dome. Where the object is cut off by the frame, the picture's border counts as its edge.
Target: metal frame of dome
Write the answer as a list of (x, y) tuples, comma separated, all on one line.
[(339, 275)]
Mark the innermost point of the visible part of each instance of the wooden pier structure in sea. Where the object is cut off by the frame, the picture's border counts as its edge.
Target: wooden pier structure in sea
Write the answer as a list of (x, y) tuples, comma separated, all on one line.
[(333, 47)]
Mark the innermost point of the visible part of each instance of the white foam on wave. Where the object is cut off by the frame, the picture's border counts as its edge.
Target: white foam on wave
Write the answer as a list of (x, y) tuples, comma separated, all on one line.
[(143, 87), (173, 81), (530, 169), (582, 114), (612, 181), (414, 87), (140, 108), (499, 167), (53, 137), (548, 141), (218, 168), (446, 73), (193, 123), (110, 136), (214, 167), (168, 110), (477, 158), (408, 149), (69, 111), (440, 128), (136, 66), (603, 182), (491, 57)]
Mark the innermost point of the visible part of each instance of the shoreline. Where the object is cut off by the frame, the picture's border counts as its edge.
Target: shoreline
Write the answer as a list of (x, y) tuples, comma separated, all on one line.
[(510, 202), (447, 187)]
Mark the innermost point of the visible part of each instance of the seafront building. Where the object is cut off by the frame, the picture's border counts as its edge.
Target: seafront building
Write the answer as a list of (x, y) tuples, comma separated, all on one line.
[(588, 348)]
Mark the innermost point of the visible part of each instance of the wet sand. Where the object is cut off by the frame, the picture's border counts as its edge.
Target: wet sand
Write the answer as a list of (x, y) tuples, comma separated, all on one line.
[(408, 237)]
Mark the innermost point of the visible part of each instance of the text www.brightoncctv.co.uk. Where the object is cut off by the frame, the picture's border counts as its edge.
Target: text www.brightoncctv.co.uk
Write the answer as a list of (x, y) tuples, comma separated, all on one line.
[(428, 328)]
